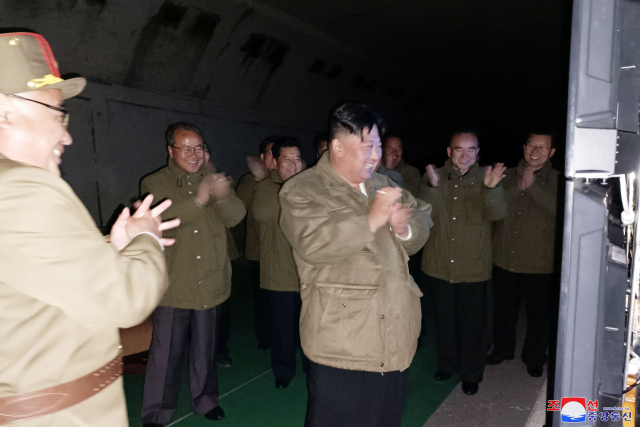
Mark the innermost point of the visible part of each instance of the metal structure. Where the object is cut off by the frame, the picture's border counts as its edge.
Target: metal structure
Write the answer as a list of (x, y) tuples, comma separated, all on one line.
[(601, 246)]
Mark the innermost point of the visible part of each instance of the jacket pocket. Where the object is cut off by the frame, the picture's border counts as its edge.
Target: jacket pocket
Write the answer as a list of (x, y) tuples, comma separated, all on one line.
[(350, 325)]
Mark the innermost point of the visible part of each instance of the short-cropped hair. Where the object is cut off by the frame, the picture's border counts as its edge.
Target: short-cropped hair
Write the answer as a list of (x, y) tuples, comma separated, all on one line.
[(353, 118), (318, 139), (284, 142), (265, 142), (170, 133), (464, 129)]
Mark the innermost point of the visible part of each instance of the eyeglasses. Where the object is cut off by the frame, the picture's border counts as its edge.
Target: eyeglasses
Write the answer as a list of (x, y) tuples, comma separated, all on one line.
[(65, 112), (188, 150)]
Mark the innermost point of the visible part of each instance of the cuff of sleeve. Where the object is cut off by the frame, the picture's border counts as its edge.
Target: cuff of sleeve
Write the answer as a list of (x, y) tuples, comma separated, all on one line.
[(406, 238), (152, 235)]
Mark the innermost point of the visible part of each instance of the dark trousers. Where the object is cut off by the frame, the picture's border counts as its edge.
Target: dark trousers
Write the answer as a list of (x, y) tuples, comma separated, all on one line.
[(344, 398), (285, 332), (177, 332), (509, 290), (461, 319), (261, 317), (224, 328)]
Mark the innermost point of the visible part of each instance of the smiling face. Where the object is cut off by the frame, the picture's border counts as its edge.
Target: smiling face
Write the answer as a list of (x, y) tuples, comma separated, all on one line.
[(187, 150), (32, 133), (392, 152), (537, 150), (354, 157), (289, 163), (463, 151)]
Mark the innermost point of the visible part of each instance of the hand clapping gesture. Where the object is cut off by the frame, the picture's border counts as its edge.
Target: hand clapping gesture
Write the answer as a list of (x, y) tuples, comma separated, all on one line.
[(128, 226), (432, 176), (493, 175)]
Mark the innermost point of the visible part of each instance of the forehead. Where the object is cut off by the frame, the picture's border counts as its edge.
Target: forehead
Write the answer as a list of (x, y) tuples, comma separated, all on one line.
[(540, 140), (371, 135), (464, 140), (187, 137), (289, 152)]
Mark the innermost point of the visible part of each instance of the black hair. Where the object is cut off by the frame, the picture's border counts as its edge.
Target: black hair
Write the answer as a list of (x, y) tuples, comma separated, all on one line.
[(265, 142), (318, 139), (542, 131), (391, 135), (352, 118), (284, 142), (170, 133), (464, 129)]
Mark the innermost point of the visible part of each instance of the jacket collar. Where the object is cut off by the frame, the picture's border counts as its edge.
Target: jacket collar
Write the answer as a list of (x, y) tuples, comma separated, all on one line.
[(454, 172), (335, 183), (275, 177), (180, 173), (543, 172)]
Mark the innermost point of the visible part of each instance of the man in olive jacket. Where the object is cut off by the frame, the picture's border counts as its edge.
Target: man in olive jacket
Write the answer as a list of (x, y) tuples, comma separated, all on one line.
[(392, 159), (351, 230), (260, 169), (278, 275), (457, 257), (199, 278), (523, 255)]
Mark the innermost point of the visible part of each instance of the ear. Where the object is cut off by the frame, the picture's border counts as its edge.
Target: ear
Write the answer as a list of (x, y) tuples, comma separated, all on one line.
[(5, 103), (274, 163), (337, 148), (170, 149), (449, 151), (478, 151), (262, 157), (553, 151)]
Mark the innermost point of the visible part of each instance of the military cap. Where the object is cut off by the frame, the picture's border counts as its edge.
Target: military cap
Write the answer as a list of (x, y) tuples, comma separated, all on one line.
[(27, 63)]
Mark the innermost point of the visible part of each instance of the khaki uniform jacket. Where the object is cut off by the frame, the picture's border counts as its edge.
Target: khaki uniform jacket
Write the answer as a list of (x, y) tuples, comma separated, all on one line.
[(524, 241), (459, 247), (411, 176), (277, 267), (199, 267), (244, 190), (64, 292), (360, 306)]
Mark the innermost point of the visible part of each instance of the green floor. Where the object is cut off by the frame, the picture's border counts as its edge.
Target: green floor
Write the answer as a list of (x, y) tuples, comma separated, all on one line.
[(247, 392)]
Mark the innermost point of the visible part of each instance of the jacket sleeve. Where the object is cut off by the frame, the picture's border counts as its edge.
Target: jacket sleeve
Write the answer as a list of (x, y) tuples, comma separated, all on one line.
[(432, 195), (319, 235), (420, 224), (231, 210), (53, 252), (495, 202)]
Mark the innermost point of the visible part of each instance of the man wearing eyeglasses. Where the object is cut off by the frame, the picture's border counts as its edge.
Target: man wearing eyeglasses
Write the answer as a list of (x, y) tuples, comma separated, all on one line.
[(64, 289), (523, 255), (199, 278)]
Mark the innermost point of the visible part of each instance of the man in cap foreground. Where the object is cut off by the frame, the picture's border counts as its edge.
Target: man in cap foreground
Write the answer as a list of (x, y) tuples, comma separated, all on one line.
[(64, 289), (351, 230)]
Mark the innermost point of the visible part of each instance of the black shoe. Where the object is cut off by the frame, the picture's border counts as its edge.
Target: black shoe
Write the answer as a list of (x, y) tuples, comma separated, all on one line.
[(534, 371), (442, 375), (282, 383), (469, 388), (152, 425), (216, 414), (224, 361), (496, 359)]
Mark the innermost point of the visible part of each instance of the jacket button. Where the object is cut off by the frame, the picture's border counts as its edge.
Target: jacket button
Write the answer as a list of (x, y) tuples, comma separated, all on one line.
[(454, 218), (190, 192), (511, 251), (344, 305), (198, 257), (195, 231), (382, 364), (451, 260), (188, 183), (455, 198), (456, 185), (382, 317), (519, 213), (453, 240)]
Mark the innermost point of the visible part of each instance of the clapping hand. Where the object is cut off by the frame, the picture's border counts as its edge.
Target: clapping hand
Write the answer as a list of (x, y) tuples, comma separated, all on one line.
[(257, 168), (399, 219), (432, 176), (383, 206), (493, 175), (128, 226), (527, 179)]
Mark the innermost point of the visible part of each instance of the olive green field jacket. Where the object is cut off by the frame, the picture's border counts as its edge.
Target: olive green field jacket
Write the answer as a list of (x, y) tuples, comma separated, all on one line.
[(411, 176), (198, 263), (277, 267), (459, 246), (360, 307), (244, 190)]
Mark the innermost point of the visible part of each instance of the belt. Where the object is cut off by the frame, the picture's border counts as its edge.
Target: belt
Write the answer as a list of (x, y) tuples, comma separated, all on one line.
[(59, 397)]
